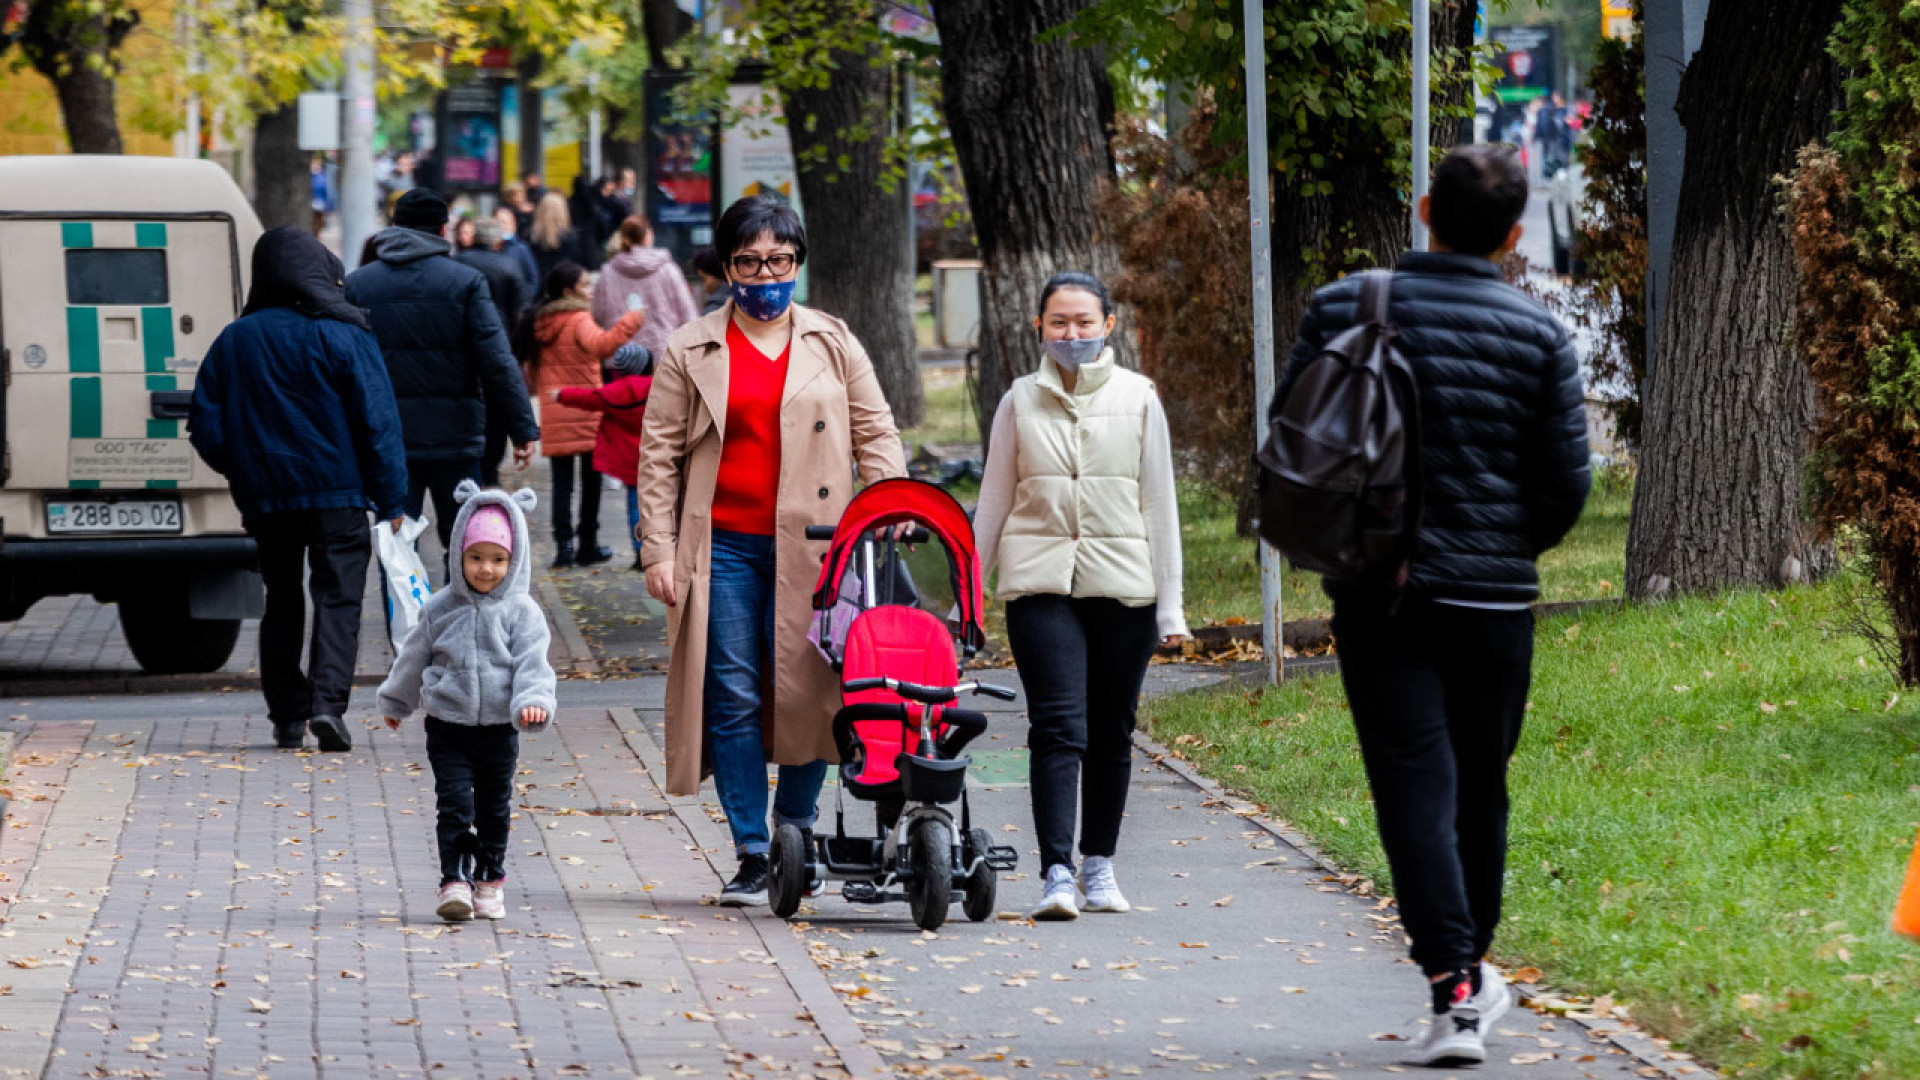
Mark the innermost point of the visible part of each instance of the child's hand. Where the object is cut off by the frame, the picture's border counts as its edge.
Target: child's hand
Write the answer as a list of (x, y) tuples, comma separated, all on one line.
[(533, 717), (393, 722), (553, 395)]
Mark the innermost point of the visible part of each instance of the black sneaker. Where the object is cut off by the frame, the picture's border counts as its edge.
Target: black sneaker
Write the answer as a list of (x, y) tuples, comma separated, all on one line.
[(749, 885), (332, 733), (811, 857), (592, 555), (291, 735), (562, 554)]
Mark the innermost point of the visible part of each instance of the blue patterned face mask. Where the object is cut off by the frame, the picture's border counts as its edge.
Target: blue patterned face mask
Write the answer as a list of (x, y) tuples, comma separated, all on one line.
[(1071, 353), (763, 300)]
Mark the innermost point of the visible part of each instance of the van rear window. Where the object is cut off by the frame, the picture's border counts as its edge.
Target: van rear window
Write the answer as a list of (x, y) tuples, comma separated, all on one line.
[(134, 277)]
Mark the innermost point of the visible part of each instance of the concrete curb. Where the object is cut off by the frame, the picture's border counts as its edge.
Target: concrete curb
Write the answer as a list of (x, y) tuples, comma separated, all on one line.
[(578, 652), (837, 1025), (1639, 1045)]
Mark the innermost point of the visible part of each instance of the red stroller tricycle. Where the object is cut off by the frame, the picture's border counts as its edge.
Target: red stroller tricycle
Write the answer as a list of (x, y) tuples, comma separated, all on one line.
[(900, 734)]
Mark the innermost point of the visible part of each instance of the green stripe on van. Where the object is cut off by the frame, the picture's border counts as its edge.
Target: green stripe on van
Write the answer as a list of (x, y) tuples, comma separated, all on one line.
[(156, 335), (150, 234), (83, 417), (76, 234), (83, 339)]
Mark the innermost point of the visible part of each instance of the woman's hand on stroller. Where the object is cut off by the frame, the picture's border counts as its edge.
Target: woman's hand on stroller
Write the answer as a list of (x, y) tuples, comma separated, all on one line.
[(660, 581), (1173, 641)]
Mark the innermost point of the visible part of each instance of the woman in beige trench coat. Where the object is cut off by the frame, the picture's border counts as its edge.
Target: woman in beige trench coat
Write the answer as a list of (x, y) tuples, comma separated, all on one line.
[(759, 414)]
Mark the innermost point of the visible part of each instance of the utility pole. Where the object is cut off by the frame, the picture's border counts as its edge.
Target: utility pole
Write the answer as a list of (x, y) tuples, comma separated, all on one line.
[(1272, 640), (357, 199), (1422, 127)]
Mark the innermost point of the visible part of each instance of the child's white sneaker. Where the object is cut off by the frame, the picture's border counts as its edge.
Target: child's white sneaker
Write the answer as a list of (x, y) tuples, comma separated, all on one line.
[(456, 901), (1056, 904), (490, 899), (1102, 892), (1493, 1000)]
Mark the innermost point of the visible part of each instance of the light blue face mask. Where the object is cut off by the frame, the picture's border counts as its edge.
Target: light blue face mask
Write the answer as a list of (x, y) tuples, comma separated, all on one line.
[(763, 300), (1070, 354)]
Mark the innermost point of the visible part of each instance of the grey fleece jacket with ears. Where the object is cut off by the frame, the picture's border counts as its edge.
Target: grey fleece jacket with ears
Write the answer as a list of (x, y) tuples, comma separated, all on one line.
[(477, 658)]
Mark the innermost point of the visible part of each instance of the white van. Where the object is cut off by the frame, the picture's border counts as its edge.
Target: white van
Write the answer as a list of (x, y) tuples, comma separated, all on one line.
[(116, 274)]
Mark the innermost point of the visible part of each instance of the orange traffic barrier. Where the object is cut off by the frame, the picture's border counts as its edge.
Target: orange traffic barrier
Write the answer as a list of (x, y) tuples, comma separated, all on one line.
[(1906, 913)]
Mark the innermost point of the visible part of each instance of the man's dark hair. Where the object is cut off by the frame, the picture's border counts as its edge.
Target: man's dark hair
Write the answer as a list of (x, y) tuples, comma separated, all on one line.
[(746, 220), (707, 261), (1478, 194)]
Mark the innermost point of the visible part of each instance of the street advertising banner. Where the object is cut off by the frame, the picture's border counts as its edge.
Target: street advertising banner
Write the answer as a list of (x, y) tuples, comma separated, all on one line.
[(756, 157)]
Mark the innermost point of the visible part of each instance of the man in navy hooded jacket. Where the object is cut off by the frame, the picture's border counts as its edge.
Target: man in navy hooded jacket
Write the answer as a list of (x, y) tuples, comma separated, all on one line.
[(294, 407)]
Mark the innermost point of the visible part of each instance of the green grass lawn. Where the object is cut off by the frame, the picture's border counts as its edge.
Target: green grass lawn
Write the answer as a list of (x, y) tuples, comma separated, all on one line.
[(1714, 800), (1223, 575)]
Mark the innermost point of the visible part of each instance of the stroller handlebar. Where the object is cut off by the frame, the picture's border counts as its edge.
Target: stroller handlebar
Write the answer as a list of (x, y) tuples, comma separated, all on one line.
[(916, 535), (931, 695)]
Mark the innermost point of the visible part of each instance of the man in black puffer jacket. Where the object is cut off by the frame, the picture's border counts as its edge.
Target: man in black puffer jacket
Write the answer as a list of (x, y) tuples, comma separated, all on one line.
[(1437, 669), (446, 352)]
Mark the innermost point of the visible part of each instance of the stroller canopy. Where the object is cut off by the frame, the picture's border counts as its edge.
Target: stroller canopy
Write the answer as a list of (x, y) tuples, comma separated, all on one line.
[(904, 501)]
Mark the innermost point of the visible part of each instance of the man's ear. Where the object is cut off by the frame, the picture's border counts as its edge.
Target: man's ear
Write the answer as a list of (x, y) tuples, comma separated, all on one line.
[(1426, 211), (1513, 239)]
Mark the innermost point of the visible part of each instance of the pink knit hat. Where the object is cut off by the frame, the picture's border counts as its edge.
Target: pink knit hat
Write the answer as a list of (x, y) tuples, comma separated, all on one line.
[(488, 525)]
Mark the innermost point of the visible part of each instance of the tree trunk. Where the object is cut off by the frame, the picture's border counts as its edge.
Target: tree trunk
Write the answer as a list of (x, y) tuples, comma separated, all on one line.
[(1728, 406), (88, 109), (282, 191), (665, 24), (859, 267), (1030, 125)]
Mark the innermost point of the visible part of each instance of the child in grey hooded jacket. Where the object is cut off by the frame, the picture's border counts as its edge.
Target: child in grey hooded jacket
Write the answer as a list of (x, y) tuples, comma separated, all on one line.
[(478, 658)]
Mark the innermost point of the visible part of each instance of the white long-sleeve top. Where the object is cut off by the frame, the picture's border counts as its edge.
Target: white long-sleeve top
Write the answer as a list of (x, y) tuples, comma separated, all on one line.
[(1015, 487)]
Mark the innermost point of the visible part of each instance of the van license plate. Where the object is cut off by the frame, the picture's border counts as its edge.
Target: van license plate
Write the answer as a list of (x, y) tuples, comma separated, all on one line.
[(66, 516)]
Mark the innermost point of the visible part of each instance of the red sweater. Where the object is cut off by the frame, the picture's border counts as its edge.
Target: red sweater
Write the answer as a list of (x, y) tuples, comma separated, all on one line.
[(623, 403), (747, 488)]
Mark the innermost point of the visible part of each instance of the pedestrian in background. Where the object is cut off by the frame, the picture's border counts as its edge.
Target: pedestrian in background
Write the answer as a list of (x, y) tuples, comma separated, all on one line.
[(446, 351), (463, 234), (622, 405), (713, 279), (591, 222), (1437, 661), (552, 237), (510, 296), (567, 349), (1077, 509), (641, 277), (320, 184), (477, 660), (759, 415), (516, 248), (292, 404)]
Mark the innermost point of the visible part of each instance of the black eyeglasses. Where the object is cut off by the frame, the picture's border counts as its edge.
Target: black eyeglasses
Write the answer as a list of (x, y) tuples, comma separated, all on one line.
[(746, 266)]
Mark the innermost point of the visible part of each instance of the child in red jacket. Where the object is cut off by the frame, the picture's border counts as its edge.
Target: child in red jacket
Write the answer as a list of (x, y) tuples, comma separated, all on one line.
[(622, 403)]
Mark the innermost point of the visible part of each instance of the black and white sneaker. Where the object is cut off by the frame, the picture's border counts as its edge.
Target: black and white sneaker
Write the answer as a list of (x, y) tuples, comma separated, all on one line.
[(1452, 1039), (749, 885)]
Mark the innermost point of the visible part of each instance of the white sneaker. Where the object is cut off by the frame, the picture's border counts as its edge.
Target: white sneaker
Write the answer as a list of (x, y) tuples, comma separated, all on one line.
[(1452, 1038), (456, 901), (1102, 892), (490, 899), (1056, 904), (1493, 1000)]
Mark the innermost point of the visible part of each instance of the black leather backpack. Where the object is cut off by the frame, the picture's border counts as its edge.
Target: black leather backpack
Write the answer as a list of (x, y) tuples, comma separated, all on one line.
[(1339, 474)]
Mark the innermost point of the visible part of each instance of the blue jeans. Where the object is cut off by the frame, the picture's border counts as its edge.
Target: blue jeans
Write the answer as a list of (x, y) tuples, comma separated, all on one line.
[(633, 518), (739, 649)]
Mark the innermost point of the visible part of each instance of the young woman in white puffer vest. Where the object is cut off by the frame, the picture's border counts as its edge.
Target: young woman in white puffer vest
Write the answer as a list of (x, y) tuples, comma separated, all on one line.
[(1077, 511)]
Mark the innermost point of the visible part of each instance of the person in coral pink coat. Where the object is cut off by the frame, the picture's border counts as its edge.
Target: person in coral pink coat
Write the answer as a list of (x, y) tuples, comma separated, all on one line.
[(622, 405), (571, 349)]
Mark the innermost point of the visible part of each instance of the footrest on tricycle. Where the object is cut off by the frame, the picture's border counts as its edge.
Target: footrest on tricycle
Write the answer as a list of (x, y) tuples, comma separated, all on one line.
[(1001, 857), (867, 892)]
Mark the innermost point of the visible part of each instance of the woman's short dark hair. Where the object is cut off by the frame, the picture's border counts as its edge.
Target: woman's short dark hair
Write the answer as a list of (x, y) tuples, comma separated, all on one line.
[(745, 220), (1479, 193), (1074, 279)]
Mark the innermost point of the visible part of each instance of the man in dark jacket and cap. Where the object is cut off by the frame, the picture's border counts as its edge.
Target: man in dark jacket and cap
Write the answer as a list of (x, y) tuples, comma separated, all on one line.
[(510, 295), (293, 406), (1437, 658), (447, 352)]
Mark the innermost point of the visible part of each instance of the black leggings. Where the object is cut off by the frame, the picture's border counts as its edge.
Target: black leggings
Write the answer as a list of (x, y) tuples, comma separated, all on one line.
[(473, 783), (563, 524), (1082, 661)]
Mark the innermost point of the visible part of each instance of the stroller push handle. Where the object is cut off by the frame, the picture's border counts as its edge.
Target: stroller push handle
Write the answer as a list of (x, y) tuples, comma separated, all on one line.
[(916, 535), (931, 695)]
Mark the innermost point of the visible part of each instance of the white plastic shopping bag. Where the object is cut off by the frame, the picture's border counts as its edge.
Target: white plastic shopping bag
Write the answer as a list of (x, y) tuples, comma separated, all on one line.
[(406, 576)]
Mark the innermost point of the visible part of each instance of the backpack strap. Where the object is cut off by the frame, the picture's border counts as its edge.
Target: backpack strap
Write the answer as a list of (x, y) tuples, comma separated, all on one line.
[(1376, 289)]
